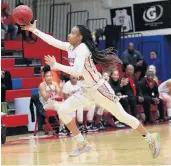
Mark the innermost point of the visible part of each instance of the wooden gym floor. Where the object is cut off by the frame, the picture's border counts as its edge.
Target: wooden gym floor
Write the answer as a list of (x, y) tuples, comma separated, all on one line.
[(122, 147)]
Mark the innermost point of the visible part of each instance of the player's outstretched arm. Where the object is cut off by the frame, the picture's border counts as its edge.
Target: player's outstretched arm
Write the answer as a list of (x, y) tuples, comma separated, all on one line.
[(75, 70), (47, 38), (82, 53)]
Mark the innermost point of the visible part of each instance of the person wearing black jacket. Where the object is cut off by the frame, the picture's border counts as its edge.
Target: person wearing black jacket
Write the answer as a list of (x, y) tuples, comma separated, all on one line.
[(133, 91), (6, 84), (117, 86), (134, 57), (150, 92), (40, 111)]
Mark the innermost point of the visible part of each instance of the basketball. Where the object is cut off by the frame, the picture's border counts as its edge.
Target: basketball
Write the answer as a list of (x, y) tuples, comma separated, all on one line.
[(22, 15)]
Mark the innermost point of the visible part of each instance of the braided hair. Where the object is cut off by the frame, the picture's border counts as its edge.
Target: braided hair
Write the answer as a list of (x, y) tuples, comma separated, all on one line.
[(107, 58)]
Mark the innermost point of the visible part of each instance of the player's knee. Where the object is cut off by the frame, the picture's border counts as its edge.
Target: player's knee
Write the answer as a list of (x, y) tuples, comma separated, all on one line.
[(64, 115)]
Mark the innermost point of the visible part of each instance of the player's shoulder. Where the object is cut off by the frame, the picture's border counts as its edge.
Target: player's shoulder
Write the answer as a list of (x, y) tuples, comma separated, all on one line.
[(83, 49), (42, 85), (83, 46)]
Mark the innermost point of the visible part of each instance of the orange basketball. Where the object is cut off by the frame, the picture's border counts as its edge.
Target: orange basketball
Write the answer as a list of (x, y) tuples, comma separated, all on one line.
[(22, 15)]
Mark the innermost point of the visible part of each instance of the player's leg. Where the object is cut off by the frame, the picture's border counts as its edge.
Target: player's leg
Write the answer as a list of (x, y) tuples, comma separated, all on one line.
[(99, 115), (106, 99), (167, 99), (73, 103), (90, 119), (80, 115)]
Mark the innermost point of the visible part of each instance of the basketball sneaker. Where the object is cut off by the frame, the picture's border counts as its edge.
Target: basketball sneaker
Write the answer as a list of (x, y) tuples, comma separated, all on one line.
[(92, 128), (82, 129), (63, 131), (81, 148), (154, 145)]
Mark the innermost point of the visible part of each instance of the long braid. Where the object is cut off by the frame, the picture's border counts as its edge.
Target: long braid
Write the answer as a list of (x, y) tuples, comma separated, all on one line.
[(107, 58)]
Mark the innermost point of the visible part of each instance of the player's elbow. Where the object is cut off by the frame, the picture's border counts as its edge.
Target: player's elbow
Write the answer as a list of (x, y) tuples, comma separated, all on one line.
[(78, 73)]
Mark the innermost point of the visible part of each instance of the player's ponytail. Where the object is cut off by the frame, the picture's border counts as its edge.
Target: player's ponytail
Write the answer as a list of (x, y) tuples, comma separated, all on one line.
[(107, 58)]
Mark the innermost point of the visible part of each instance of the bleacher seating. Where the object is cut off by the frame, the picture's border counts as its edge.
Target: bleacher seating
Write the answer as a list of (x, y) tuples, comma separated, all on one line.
[(12, 94), (15, 120), (13, 45), (33, 82), (26, 83), (7, 63), (21, 72)]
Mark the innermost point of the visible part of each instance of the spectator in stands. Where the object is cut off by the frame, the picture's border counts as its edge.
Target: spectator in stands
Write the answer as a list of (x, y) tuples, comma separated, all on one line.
[(107, 78), (150, 92), (165, 94), (154, 60), (7, 22), (134, 57), (117, 86), (4, 30), (24, 36), (3, 87), (152, 68), (6, 84), (133, 91), (49, 90)]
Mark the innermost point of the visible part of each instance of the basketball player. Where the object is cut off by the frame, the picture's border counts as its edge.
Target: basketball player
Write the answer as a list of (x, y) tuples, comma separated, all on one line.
[(165, 94), (71, 87), (94, 88), (48, 89)]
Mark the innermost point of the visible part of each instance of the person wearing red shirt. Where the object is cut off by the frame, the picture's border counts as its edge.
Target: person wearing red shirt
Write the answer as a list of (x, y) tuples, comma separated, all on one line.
[(7, 22), (134, 93)]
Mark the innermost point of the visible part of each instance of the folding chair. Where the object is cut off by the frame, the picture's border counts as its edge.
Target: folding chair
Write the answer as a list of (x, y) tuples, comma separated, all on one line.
[(49, 113)]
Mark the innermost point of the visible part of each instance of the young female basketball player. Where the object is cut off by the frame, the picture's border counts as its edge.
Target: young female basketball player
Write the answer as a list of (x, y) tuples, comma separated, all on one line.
[(48, 89), (94, 89)]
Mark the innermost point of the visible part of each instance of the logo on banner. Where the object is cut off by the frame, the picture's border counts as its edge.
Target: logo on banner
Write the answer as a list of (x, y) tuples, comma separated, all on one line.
[(153, 13)]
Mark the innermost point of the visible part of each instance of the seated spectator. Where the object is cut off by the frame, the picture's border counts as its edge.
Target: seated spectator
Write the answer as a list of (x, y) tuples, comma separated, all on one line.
[(6, 84), (154, 60), (152, 68), (7, 22), (149, 89), (117, 86), (134, 57), (4, 30), (165, 94), (108, 79), (49, 90), (135, 97)]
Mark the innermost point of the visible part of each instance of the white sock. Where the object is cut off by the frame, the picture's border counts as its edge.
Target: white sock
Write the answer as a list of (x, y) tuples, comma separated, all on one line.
[(169, 112), (79, 138), (148, 137)]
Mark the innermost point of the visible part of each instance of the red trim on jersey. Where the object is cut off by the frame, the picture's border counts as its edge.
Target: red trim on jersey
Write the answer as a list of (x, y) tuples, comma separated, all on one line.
[(90, 74), (104, 95), (107, 88), (91, 65)]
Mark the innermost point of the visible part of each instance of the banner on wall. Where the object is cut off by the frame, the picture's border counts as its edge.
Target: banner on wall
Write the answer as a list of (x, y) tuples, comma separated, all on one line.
[(153, 15), (122, 17)]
